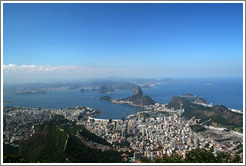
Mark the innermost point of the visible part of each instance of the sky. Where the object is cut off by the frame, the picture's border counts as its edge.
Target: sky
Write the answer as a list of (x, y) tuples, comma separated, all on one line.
[(49, 42)]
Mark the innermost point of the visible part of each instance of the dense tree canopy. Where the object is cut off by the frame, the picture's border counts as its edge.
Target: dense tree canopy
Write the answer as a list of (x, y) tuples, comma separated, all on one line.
[(196, 156)]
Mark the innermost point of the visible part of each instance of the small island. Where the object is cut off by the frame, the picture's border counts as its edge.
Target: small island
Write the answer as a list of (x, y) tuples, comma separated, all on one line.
[(106, 98), (6, 102), (188, 95)]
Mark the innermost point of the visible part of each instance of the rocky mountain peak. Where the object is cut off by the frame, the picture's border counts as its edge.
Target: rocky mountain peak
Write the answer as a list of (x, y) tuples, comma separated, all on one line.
[(138, 91)]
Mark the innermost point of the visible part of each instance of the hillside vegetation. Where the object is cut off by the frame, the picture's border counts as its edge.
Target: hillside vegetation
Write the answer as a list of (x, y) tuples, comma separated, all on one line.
[(218, 115), (140, 99), (57, 142)]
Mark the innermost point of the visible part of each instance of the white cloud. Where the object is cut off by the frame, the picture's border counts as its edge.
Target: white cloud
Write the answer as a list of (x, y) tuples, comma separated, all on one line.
[(44, 73), (34, 68), (40, 73)]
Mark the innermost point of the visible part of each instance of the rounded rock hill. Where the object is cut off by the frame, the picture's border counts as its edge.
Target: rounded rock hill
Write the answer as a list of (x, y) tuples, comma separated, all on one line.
[(138, 91)]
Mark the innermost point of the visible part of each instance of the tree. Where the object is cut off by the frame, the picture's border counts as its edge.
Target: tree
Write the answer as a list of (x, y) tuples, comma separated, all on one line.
[(175, 157), (235, 159), (197, 156), (13, 159), (200, 156), (223, 157), (146, 160)]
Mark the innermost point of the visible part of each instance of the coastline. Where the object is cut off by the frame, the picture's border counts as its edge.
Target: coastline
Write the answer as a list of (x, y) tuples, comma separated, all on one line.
[(103, 119), (230, 109), (235, 110), (159, 93), (154, 84)]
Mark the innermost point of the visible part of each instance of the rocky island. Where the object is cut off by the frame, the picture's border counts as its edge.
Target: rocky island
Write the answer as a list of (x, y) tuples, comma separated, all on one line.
[(106, 98)]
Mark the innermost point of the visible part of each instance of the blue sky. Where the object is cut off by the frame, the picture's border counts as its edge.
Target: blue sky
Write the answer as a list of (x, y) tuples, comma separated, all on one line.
[(179, 40)]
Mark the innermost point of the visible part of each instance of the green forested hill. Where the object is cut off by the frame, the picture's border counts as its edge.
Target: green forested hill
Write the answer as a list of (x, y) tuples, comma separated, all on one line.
[(45, 145), (54, 142), (217, 115), (140, 99)]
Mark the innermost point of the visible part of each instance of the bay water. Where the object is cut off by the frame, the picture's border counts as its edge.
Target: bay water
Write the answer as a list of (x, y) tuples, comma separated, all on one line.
[(226, 91)]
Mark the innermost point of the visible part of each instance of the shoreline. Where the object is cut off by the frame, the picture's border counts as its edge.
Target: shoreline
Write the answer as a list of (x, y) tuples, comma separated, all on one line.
[(104, 119), (236, 110), (154, 84)]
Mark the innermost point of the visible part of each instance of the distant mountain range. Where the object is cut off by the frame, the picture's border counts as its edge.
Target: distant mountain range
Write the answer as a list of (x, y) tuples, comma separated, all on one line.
[(99, 85), (110, 87)]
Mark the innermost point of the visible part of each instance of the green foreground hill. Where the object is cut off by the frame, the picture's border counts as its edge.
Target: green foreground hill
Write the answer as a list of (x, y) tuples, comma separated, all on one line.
[(58, 143), (46, 145)]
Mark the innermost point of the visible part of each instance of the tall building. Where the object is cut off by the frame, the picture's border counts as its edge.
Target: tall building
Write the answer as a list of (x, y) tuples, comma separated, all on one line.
[(161, 126), (143, 131), (122, 132), (196, 143), (130, 130), (190, 142)]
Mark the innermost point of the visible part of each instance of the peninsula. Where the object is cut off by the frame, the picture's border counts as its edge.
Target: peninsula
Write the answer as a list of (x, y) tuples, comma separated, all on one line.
[(137, 99)]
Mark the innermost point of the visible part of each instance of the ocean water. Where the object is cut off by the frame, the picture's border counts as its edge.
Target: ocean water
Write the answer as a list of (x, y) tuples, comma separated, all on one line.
[(228, 92)]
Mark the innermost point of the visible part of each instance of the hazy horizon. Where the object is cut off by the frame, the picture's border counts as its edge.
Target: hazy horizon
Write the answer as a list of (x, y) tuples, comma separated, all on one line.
[(51, 74)]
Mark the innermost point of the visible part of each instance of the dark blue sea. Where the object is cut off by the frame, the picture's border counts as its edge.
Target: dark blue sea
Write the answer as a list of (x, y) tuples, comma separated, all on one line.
[(228, 92)]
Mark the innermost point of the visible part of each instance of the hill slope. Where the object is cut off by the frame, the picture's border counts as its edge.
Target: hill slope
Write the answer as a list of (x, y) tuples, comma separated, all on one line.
[(46, 145), (217, 115), (57, 142), (139, 98)]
